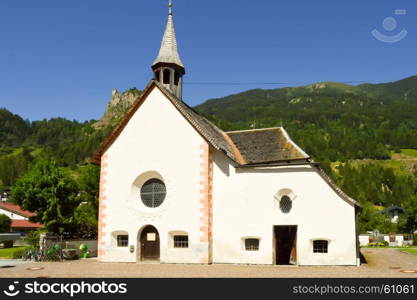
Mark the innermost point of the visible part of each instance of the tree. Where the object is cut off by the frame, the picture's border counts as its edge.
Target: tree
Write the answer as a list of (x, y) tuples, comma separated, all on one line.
[(50, 192), (5, 223), (86, 215)]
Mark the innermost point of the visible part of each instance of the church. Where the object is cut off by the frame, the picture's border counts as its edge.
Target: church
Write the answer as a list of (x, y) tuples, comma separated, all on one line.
[(174, 188)]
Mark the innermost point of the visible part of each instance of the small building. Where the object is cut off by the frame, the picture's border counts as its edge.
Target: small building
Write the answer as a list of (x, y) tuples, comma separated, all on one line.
[(175, 188), (19, 217), (4, 196), (394, 211)]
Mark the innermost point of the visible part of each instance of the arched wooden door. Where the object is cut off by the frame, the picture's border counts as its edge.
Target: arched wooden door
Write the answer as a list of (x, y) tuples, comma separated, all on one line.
[(149, 244)]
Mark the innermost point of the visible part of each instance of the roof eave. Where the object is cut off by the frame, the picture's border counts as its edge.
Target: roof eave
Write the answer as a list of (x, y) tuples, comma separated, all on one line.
[(277, 163)]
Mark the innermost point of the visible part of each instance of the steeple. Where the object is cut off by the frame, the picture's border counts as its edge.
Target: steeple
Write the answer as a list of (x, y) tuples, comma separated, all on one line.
[(167, 67)]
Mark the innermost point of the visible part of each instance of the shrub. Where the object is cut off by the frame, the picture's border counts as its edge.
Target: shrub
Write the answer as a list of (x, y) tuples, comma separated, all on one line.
[(5, 222), (18, 253), (415, 240), (33, 238)]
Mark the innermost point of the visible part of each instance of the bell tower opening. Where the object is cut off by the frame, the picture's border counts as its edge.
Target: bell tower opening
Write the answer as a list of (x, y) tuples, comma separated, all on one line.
[(167, 67)]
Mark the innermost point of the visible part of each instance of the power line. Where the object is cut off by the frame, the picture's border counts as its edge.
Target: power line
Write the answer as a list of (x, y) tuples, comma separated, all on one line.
[(283, 83)]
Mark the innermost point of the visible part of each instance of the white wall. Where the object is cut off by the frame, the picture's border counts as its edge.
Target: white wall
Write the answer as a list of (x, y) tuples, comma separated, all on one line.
[(11, 215), (363, 240), (157, 139), (244, 205)]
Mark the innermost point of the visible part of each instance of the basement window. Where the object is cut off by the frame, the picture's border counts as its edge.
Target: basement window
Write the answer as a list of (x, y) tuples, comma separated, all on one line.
[(180, 241), (320, 246), (251, 244), (122, 240)]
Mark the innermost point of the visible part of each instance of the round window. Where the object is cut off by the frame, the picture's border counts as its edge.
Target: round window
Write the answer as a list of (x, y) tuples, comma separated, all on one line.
[(153, 193), (285, 204)]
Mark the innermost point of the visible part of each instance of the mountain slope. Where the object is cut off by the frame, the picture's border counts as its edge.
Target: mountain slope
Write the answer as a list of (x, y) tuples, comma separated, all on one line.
[(329, 120)]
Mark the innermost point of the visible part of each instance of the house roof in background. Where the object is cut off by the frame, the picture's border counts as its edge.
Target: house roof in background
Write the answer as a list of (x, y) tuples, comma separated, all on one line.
[(24, 224), (16, 209)]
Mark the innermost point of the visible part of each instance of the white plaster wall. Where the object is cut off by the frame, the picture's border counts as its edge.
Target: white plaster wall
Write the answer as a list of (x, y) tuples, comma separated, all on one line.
[(363, 240), (11, 215), (158, 139), (399, 238), (244, 205)]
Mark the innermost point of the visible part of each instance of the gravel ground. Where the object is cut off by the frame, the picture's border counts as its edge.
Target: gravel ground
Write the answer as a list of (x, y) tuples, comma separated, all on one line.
[(384, 263)]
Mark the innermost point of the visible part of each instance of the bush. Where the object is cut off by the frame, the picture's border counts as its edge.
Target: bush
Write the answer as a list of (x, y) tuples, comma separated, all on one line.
[(33, 238), (18, 253), (384, 244), (415, 240), (5, 222), (8, 244)]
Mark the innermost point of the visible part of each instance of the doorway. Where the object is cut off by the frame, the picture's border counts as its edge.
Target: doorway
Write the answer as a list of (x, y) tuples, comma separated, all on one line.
[(149, 244), (285, 245)]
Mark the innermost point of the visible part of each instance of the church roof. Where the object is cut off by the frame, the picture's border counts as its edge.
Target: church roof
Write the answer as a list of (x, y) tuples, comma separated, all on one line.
[(246, 148), (266, 145), (168, 53), (243, 147)]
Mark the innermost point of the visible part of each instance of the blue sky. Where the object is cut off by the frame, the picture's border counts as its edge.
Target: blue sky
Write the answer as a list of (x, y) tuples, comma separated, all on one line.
[(63, 58)]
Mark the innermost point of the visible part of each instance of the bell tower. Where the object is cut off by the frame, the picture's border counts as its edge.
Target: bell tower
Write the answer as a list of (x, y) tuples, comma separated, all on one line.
[(167, 67)]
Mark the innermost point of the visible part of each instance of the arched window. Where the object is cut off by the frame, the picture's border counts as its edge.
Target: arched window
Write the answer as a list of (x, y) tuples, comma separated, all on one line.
[(176, 77), (153, 192), (157, 75), (167, 75), (285, 204)]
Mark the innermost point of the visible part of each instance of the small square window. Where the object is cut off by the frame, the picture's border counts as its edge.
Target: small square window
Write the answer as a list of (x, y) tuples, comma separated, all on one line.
[(320, 246), (181, 241), (252, 244), (122, 240), (408, 237)]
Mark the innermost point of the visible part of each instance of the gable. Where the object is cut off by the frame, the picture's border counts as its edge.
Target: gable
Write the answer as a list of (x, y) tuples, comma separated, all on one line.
[(213, 135), (153, 131)]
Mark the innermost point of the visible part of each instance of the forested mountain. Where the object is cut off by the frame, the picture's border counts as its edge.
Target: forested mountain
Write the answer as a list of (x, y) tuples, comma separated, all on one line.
[(363, 135), (329, 120)]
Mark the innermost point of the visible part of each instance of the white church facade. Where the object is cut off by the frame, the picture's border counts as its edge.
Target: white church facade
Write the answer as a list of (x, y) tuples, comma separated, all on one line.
[(174, 188)]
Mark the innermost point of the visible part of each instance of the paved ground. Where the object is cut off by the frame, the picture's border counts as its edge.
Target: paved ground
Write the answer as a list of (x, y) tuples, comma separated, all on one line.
[(4, 263), (380, 263)]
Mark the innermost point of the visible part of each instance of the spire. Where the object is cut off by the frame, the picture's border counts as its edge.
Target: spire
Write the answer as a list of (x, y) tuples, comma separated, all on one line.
[(169, 50)]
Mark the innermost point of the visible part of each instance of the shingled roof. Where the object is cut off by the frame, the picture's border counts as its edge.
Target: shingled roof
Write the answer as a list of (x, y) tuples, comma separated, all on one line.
[(266, 145)]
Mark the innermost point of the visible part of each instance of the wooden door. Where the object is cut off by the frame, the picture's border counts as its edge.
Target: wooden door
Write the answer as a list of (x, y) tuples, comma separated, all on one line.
[(149, 243), (285, 241), (293, 253)]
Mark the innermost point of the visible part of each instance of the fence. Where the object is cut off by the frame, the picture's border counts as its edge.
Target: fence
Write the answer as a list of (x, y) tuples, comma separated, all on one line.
[(55, 248)]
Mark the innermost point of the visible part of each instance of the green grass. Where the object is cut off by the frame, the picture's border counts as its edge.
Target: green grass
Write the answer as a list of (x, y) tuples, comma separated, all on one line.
[(409, 152), (410, 250), (8, 252), (402, 165)]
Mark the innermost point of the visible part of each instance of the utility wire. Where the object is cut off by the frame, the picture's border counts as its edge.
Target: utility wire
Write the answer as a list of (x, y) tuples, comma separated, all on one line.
[(282, 83)]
